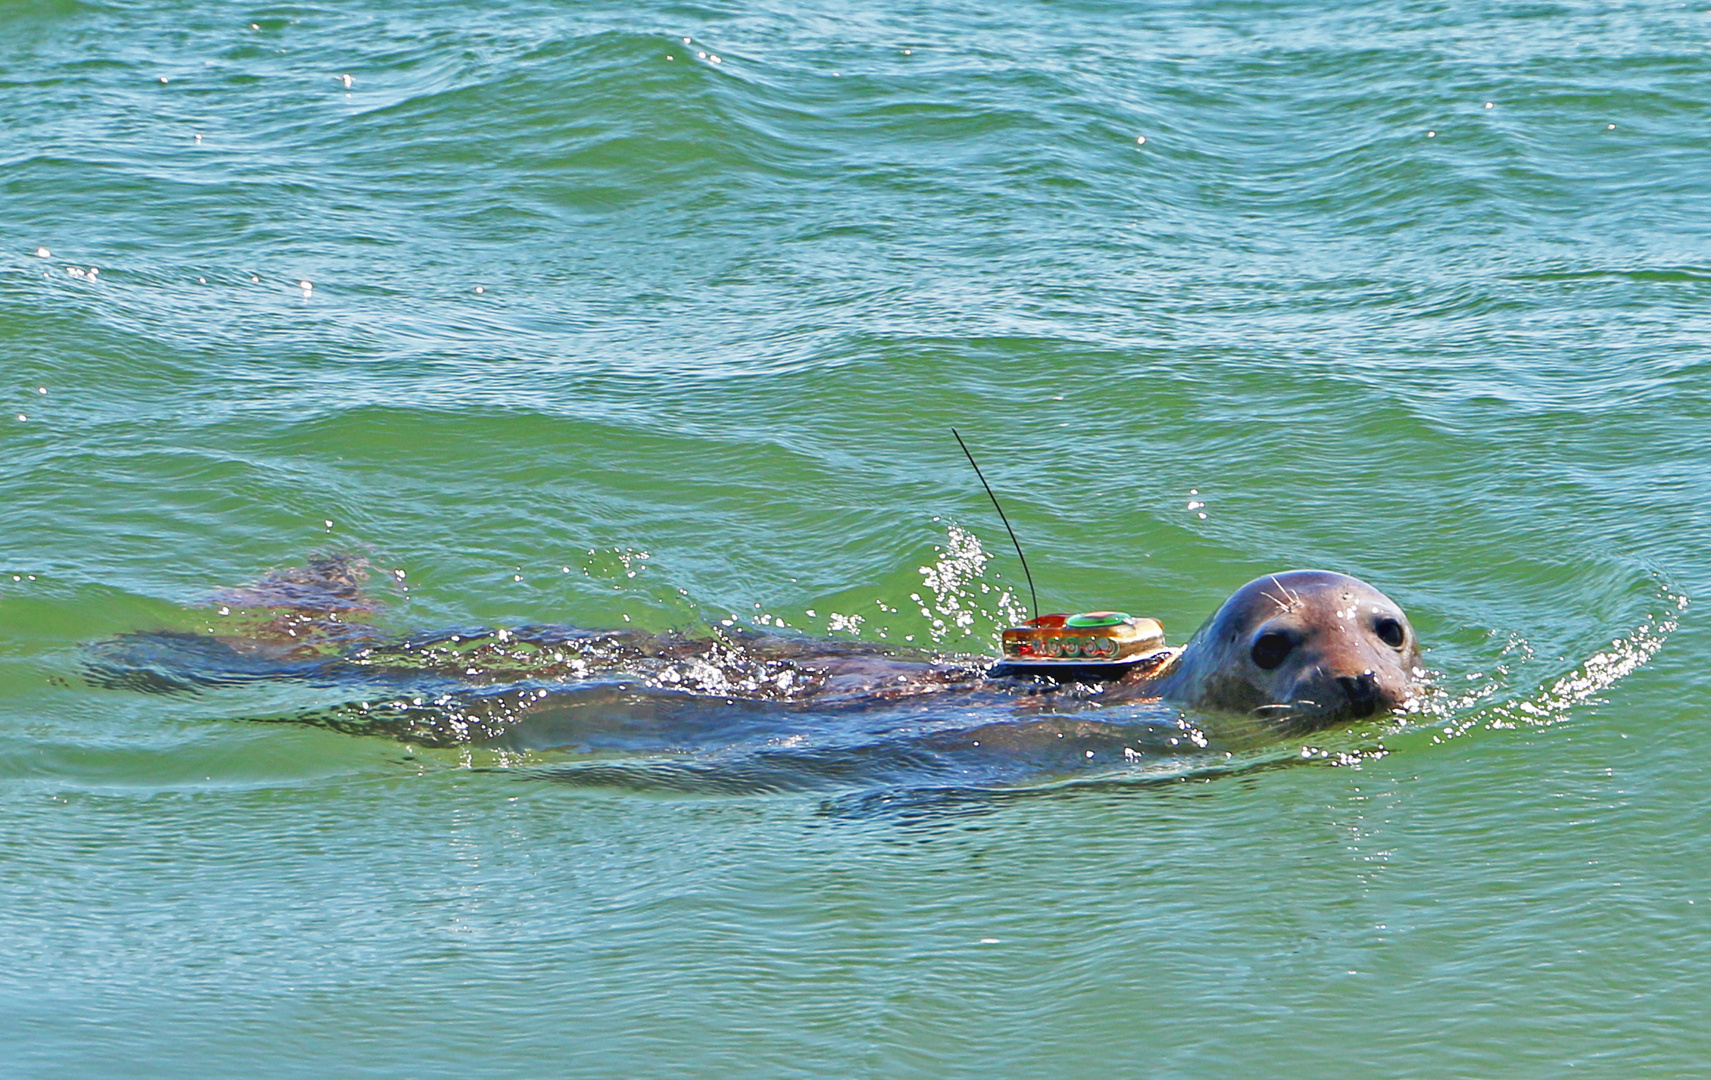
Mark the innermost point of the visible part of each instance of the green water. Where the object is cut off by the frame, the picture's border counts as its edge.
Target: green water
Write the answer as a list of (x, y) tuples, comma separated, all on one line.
[(600, 331)]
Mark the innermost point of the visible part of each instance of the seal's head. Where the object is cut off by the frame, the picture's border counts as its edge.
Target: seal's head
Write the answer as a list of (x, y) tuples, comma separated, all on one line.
[(1305, 647)]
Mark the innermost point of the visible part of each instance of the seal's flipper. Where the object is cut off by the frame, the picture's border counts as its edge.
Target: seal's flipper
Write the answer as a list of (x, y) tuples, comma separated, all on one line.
[(306, 608), (168, 661), (331, 582)]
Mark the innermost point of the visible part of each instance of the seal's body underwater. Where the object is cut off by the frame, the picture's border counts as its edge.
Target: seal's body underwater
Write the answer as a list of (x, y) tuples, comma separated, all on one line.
[(1296, 650)]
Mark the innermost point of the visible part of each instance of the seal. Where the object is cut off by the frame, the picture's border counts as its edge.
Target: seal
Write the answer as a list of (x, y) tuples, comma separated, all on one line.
[(1297, 650), (1305, 648)]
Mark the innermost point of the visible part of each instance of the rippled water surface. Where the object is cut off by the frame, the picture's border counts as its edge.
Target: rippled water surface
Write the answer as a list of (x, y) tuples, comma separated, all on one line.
[(656, 318)]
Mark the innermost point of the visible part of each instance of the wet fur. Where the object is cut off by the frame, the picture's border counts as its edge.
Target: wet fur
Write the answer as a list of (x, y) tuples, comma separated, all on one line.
[(312, 623)]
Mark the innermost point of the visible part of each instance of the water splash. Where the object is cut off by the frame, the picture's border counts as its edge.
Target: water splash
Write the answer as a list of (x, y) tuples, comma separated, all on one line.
[(957, 604), (1458, 714), (953, 608), (615, 564)]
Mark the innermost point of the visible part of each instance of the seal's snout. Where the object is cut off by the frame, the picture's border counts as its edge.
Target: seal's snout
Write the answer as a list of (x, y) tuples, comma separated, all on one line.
[(1362, 692)]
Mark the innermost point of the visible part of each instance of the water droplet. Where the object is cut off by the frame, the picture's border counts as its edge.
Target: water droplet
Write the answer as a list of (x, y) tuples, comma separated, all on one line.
[(1488, 104), (1431, 134), (1140, 140), (43, 253)]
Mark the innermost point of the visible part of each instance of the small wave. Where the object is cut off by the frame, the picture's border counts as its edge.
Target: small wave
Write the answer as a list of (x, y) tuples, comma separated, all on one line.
[(1455, 715)]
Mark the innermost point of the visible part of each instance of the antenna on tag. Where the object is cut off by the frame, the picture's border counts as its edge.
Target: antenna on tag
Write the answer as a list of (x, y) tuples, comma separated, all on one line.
[(1001, 517)]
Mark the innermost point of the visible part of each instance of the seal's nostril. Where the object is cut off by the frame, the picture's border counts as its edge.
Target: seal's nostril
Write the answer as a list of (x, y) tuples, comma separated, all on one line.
[(1362, 691)]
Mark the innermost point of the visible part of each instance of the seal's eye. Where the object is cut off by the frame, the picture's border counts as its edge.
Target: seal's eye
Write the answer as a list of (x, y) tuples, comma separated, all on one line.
[(1390, 632), (1270, 648)]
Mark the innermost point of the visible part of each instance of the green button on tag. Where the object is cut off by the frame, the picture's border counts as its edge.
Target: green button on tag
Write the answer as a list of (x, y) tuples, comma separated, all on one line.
[(1096, 618)]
